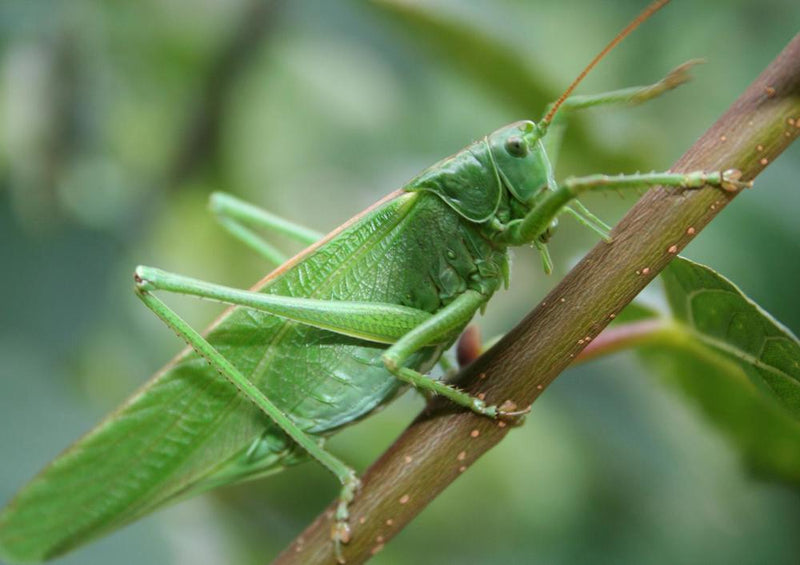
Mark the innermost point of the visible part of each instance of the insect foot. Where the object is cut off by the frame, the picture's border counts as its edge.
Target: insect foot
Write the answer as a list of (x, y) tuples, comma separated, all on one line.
[(509, 413), (680, 74), (731, 183), (427, 385), (340, 534), (142, 279), (340, 530)]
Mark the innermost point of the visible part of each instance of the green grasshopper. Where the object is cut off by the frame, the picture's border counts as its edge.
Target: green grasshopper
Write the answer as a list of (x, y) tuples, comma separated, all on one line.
[(324, 339)]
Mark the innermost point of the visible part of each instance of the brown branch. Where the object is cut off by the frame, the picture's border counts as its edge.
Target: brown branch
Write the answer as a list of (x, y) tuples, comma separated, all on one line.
[(443, 442)]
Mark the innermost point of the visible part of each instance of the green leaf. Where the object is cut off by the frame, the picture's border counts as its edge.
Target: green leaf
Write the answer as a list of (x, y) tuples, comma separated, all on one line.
[(729, 322), (739, 364)]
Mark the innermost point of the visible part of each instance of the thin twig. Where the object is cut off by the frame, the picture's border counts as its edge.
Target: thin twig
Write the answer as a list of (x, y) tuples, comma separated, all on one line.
[(443, 441)]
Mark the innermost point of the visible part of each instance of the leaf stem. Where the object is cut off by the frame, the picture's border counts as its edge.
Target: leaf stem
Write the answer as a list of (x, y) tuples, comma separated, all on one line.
[(626, 336)]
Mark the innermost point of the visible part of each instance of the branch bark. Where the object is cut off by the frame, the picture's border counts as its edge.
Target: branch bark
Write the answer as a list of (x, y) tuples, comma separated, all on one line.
[(443, 441)]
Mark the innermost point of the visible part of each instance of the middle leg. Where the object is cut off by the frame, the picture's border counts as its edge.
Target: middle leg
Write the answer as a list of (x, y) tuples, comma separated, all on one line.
[(239, 218)]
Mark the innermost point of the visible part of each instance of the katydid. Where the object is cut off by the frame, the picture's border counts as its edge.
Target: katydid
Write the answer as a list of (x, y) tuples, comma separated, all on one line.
[(324, 339)]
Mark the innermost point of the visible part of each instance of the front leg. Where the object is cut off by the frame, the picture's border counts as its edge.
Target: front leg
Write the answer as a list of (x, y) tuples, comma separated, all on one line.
[(553, 202), (446, 321)]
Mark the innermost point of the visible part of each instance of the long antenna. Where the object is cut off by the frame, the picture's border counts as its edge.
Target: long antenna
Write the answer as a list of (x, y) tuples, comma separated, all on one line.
[(649, 11)]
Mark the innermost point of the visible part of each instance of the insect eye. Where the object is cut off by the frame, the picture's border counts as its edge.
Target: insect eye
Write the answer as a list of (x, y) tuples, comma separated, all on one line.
[(516, 146)]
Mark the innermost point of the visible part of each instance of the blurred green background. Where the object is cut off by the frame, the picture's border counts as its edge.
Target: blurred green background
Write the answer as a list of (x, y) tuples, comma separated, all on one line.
[(116, 121)]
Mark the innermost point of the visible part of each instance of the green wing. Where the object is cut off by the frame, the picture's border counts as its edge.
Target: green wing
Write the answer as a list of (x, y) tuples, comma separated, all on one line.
[(189, 430), (183, 432)]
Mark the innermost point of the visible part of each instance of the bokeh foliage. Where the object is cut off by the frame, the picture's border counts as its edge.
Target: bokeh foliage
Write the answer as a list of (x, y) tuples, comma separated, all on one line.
[(118, 119)]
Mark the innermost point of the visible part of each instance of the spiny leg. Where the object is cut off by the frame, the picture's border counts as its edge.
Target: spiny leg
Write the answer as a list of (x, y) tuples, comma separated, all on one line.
[(538, 219), (346, 476), (452, 316), (407, 328), (630, 96), (239, 218), (467, 349), (729, 180), (372, 321)]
